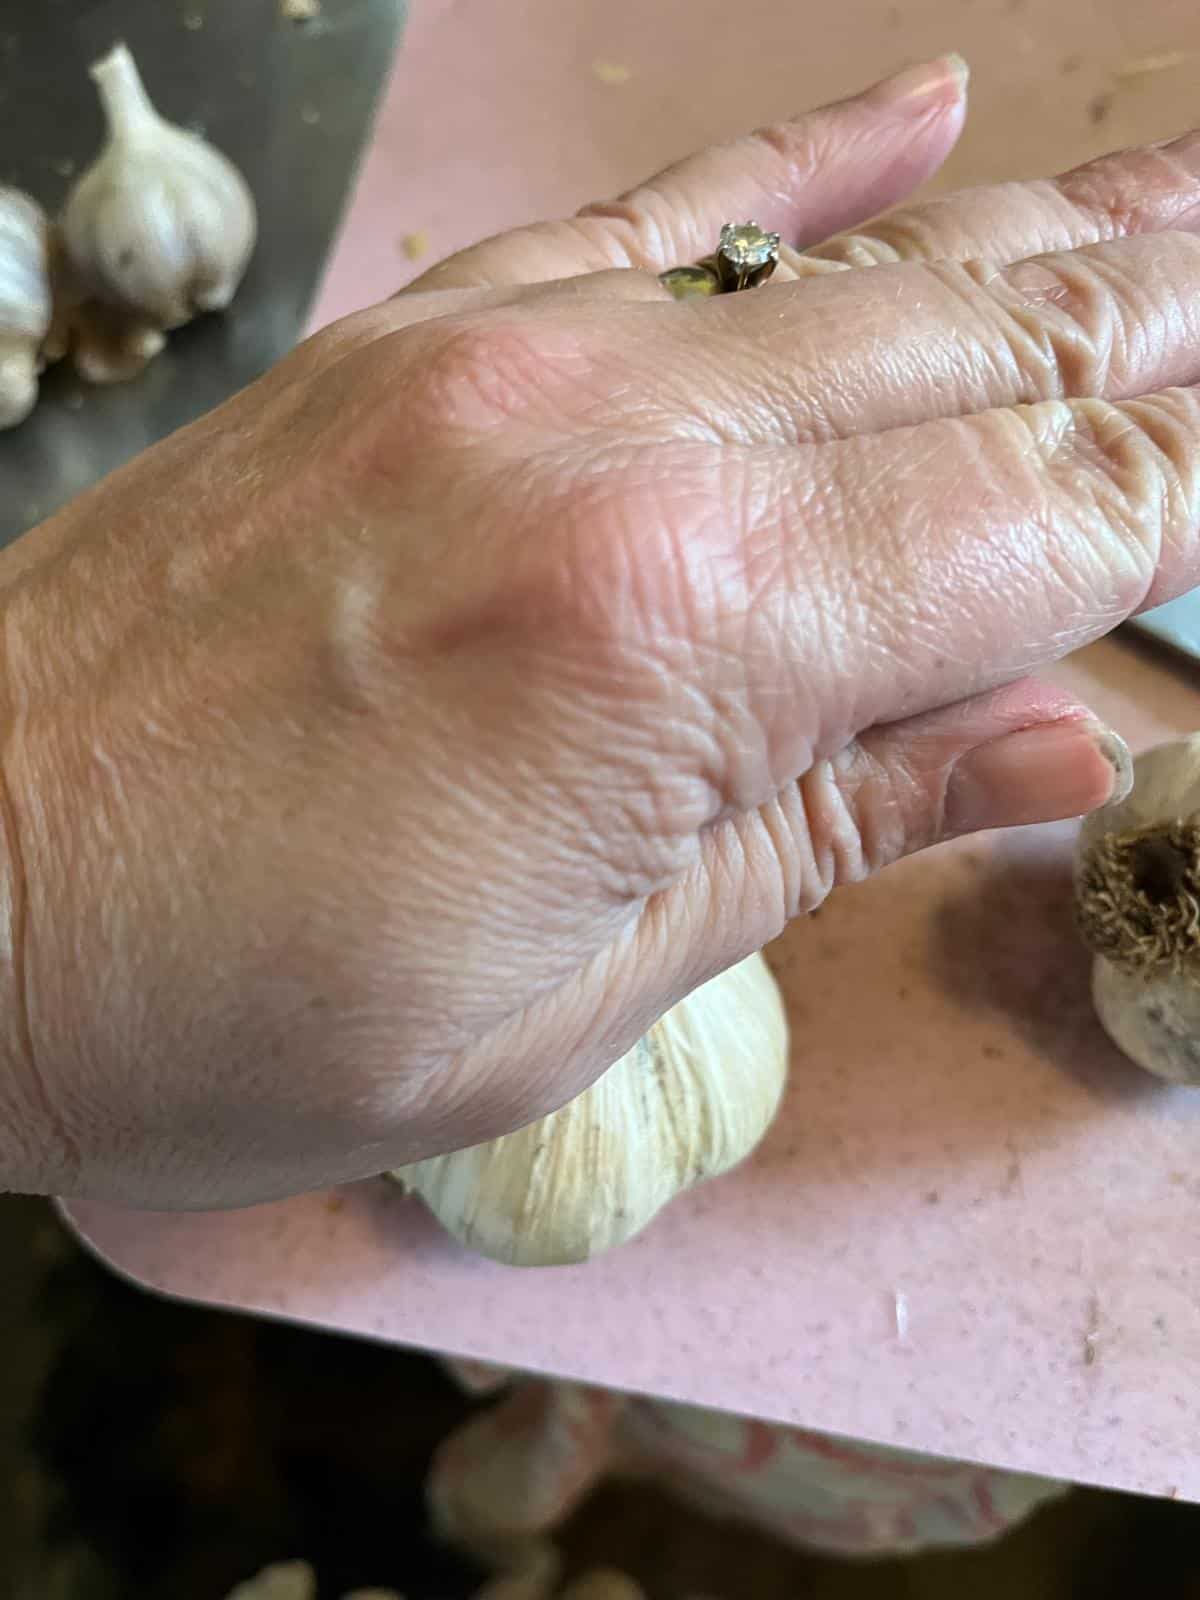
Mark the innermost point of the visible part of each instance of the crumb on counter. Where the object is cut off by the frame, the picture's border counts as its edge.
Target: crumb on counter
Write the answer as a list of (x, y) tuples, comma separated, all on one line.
[(1145, 66), (415, 245), (1091, 1338), (299, 10), (1099, 108), (612, 72)]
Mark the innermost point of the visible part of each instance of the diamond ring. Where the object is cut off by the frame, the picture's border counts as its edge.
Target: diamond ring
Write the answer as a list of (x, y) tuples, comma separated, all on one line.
[(746, 255)]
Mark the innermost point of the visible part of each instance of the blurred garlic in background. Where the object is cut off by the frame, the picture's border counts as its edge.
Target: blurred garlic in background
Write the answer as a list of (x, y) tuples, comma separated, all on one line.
[(25, 302), (159, 229), (286, 1580), (161, 225)]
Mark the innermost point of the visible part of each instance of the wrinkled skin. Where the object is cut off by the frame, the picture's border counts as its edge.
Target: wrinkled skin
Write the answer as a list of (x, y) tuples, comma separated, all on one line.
[(386, 751)]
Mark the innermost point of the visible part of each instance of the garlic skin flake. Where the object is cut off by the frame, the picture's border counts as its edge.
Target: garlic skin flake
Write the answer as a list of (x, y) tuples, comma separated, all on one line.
[(1137, 901), (26, 302), (690, 1100), (161, 226)]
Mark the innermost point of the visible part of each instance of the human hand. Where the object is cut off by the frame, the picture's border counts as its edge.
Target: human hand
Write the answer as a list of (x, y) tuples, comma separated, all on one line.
[(388, 749)]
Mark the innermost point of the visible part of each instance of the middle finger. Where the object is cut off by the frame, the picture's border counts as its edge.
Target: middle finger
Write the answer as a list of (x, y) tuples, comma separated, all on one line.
[(1143, 190), (863, 352)]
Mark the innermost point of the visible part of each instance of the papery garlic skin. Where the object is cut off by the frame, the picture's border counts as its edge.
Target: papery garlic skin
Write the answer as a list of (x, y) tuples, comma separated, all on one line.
[(1155, 1023), (1137, 896), (162, 226), (26, 302), (689, 1101)]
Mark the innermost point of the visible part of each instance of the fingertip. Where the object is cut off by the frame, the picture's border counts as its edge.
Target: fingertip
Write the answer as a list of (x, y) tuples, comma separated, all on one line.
[(926, 85), (1043, 773), (960, 70), (877, 147)]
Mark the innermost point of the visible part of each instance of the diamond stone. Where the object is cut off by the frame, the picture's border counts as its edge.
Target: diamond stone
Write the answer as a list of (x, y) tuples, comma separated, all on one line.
[(744, 244)]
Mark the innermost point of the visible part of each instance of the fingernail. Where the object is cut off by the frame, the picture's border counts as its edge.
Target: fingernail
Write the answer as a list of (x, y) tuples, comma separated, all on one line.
[(915, 86), (1119, 756), (1041, 774)]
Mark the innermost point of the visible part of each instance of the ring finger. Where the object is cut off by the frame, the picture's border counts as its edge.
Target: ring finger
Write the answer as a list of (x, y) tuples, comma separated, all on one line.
[(863, 352)]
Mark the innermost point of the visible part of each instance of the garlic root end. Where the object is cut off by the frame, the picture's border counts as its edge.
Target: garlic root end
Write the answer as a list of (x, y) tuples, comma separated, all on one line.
[(1138, 897)]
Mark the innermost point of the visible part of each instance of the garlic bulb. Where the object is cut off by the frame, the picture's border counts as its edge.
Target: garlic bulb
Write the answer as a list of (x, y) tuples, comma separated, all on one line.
[(25, 302), (296, 1580), (162, 226), (286, 1580), (1137, 897), (692, 1097)]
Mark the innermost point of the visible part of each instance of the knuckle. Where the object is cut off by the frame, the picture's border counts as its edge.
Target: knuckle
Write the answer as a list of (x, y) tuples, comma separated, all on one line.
[(790, 154), (1101, 202), (1129, 470), (584, 583), (1119, 195), (639, 229), (1059, 323), (929, 232), (476, 374), (782, 140), (858, 250), (406, 408), (843, 820)]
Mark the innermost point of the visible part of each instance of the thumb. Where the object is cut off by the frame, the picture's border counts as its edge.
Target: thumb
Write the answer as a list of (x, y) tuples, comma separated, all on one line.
[(1027, 753)]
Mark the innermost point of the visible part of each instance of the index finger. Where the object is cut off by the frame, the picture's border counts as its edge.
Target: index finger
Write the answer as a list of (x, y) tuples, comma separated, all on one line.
[(804, 177)]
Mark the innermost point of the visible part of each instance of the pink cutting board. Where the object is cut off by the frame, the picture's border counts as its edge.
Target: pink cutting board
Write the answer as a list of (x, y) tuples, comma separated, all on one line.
[(959, 1140)]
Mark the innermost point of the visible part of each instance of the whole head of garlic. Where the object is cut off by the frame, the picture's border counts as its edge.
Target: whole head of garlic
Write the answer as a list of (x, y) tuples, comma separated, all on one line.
[(691, 1099), (25, 302), (162, 226), (1137, 901)]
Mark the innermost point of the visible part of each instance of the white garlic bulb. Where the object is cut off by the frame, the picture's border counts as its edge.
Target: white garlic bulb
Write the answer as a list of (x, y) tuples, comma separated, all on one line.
[(26, 302), (1137, 898), (601, 1583), (286, 1580), (162, 226), (689, 1101)]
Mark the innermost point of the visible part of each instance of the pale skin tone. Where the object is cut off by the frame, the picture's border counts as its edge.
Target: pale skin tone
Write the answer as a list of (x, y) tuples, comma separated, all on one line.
[(384, 753)]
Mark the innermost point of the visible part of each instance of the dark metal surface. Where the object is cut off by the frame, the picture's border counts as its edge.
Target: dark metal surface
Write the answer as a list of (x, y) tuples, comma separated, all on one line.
[(291, 104)]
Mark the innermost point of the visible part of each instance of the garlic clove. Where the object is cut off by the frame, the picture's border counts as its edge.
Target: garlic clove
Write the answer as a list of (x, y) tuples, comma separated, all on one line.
[(26, 302), (603, 1583), (1137, 902), (1155, 1023), (162, 226), (689, 1101), (106, 344), (18, 382), (286, 1580), (109, 348)]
